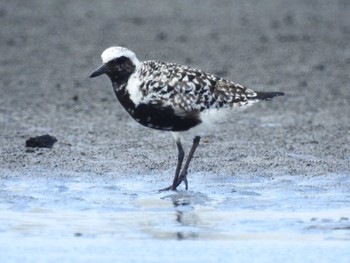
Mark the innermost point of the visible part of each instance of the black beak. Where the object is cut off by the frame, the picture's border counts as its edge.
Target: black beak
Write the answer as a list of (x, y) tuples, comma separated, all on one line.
[(101, 70)]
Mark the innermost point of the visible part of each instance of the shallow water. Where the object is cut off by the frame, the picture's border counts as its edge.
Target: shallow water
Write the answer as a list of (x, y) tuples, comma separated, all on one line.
[(108, 217)]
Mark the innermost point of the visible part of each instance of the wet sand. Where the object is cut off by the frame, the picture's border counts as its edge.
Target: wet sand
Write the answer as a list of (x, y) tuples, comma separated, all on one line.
[(270, 183)]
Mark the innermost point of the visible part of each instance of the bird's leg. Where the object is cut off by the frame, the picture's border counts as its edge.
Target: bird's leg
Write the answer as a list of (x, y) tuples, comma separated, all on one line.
[(180, 158), (183, 175)]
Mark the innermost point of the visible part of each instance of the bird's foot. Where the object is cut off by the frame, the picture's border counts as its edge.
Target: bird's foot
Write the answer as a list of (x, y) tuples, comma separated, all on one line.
[(166, 189), (182, 178), (171, 187)]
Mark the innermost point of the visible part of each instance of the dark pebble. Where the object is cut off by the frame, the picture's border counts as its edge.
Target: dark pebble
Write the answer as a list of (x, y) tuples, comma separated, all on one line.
[(43, 141)]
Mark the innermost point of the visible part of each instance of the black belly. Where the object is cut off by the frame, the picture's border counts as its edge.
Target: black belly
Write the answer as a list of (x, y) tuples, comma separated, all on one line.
[(164, 118), (158, 117)]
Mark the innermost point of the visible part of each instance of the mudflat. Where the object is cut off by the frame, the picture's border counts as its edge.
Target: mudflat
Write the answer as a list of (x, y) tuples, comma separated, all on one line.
[(290, 155)]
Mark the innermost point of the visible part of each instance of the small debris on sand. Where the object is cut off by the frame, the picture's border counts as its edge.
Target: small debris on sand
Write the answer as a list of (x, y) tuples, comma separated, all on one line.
[(43, 141)]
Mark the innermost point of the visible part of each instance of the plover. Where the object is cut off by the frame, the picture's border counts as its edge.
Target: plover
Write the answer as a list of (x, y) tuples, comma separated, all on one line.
[(172, 97)]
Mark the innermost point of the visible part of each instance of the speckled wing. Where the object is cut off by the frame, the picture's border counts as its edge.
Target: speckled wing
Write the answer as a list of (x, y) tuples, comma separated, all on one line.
[(233, 95), (187, 89)]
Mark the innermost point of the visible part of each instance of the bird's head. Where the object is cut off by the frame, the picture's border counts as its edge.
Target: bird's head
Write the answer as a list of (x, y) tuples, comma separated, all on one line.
[(118, 63)]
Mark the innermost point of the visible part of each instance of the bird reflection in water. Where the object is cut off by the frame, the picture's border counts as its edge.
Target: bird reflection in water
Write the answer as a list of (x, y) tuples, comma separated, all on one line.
[(186, 217)]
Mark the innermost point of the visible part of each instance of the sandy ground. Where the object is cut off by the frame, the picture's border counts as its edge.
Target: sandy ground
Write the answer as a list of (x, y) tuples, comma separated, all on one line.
[(278, 171)]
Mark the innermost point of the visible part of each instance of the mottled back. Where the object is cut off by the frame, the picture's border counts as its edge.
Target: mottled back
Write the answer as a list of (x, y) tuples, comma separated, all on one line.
[(188, 89)]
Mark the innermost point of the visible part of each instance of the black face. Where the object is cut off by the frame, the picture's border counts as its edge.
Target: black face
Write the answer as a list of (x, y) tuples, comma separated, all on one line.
[(118, 69)]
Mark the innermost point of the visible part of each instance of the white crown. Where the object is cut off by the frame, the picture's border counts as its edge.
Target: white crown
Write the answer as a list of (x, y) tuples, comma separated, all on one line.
[(117, 52)]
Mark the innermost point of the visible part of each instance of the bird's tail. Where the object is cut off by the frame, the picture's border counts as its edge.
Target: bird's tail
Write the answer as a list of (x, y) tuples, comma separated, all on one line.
[(262, 95)]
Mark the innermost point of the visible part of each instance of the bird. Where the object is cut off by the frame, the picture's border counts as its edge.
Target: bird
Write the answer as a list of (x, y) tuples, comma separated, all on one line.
[(173, 97)]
